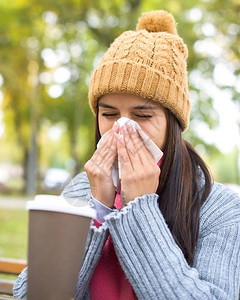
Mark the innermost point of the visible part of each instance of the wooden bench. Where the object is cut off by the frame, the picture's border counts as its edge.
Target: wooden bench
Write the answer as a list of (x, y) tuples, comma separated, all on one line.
[(10, 266)]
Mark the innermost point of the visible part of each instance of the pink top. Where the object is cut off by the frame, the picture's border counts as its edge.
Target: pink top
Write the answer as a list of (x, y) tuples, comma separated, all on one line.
[(109, 280)]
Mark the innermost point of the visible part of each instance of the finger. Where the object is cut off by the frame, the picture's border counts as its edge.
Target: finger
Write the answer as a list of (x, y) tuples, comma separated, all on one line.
[(115, 127), (102, 150), (123, 156), (108, 135), (105, 140), (111, 155), (130, 147), (144, 154)]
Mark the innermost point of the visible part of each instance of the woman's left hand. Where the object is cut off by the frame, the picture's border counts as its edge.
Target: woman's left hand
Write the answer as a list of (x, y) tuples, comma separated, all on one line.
[(139, 171)]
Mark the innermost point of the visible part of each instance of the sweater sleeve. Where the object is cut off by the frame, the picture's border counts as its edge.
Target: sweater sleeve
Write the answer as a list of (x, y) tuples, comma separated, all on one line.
[(20, 286), (96, 240), (79, 188), (100, 208), (155, 265)]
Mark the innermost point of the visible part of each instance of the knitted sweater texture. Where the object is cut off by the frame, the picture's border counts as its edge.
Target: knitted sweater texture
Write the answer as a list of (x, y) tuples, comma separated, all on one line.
[(150, 258)]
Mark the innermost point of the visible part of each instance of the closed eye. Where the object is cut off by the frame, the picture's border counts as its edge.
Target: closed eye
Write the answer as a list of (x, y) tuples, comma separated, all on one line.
[(144, 116), (136, 115), (108, 115)]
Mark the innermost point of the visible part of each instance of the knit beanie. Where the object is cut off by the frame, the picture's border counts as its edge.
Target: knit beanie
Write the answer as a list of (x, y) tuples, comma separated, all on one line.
[(149, 62)]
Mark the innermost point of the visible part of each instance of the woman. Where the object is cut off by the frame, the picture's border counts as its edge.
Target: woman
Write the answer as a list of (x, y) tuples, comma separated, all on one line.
[(169, 232)]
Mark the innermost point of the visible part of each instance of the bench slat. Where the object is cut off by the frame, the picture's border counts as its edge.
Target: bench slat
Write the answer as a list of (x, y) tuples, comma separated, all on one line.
[(6, 286), (12, 266)]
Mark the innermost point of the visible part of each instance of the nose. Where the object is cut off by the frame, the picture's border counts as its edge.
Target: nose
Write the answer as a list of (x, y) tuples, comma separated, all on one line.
[(126, 115)]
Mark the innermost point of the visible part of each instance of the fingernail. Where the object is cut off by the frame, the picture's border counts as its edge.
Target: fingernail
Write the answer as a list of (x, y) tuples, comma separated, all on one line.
[(115, 136), (125, 130), (115, 125), (121, 139), (131, 128)]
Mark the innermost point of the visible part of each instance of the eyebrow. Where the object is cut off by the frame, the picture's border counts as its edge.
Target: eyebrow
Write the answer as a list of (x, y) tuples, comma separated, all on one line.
[(135, 107)]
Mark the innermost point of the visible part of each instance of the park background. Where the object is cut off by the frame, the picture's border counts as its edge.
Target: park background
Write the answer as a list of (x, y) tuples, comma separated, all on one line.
[(48, 50)]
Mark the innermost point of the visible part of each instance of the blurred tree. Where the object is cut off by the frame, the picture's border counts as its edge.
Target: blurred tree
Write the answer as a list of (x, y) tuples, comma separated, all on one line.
[(48, 50), (41, 41), (19, 66)]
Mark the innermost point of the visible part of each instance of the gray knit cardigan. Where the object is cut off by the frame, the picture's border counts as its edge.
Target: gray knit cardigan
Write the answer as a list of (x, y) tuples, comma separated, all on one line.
[(152, 261)]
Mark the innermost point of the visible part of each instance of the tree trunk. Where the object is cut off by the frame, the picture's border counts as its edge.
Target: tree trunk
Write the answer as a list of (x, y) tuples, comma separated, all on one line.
[(31, 165), (74, 152), (76, 121)]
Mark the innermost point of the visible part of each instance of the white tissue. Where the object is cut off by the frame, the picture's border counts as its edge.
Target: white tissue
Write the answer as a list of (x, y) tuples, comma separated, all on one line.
[(152, 147)]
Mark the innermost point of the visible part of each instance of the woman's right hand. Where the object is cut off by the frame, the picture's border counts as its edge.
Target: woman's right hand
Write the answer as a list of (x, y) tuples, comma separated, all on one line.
[(99, 167)]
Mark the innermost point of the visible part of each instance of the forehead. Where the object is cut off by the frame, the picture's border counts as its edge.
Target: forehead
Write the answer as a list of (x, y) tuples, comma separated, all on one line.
[(126, 100)]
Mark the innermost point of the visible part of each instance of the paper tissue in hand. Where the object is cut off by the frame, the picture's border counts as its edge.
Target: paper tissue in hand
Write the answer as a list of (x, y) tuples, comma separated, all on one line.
[(151, 146)]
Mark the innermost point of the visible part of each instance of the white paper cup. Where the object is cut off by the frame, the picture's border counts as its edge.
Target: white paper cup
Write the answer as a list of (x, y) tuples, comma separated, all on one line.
[(56, 244)]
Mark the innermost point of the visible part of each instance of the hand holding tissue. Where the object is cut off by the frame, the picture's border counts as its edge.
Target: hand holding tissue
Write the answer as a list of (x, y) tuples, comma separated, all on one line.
[(150, 145)]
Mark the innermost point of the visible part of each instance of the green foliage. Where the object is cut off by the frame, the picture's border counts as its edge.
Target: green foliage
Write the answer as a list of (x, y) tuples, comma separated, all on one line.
[(77, 32), (225, 167)]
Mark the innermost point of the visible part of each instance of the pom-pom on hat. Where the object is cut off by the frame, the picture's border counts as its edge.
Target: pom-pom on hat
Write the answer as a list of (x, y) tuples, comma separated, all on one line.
[(157, 21), (149, 62)]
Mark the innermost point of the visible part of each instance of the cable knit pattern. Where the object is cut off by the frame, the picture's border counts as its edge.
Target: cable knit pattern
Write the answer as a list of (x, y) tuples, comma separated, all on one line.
[(145, 248), (96, 240), (149, 256), (79, 187), (223, 212), (149, 64), (20, 286)]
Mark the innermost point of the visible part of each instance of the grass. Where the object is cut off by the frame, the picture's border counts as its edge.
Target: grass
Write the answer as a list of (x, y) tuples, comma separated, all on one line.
[(13, 233)]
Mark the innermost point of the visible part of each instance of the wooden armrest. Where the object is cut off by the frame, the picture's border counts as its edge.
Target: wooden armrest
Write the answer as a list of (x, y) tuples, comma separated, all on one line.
[(12, 266), (6, 286)]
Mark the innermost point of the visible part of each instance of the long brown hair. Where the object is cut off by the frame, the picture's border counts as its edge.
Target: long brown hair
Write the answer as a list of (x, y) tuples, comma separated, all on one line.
[(184, 185)]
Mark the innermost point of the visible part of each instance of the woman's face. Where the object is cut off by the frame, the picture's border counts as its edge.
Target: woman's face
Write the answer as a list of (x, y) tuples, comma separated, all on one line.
[(149, 114)]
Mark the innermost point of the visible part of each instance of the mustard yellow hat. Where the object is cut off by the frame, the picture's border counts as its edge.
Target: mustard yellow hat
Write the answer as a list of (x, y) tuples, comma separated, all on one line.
[(149, 62)]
